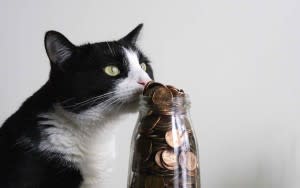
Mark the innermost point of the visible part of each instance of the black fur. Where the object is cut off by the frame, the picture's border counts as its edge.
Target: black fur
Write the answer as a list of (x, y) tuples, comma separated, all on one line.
[(76, 75)]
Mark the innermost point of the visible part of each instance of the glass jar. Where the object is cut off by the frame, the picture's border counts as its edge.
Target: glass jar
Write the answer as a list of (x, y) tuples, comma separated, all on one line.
[(164, 150)]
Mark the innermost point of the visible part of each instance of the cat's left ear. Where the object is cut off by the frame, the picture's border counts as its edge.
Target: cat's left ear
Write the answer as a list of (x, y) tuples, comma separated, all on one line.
[(133, 35), (58, 47)]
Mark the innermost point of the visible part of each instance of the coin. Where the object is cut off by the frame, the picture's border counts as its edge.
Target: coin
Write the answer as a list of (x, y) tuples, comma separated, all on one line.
[(143, 148), (158, 157), (188, 160), (162, 96), (174, 138), (150, 88), (192, 173), (149, 122), (154, 182), (147, 85), (166, 119), (173, 90), (169, 159)]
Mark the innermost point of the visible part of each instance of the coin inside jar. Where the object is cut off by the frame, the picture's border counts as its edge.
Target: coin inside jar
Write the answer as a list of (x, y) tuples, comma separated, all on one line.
[(144, 148), (158, 157), (169, 159), (188, 160), (162, 96), (174, 138), (173, 90), (154, 182), (149, 122), (151, 87)]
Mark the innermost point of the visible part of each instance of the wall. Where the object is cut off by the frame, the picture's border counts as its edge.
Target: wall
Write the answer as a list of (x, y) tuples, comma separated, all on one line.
[(238, 60)]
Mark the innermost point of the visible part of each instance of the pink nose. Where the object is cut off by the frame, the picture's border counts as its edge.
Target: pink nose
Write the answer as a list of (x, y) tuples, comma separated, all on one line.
[(142, 82)]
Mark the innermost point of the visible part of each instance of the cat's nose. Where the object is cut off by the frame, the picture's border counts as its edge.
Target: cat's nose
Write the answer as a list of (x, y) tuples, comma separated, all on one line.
[(143, 83)]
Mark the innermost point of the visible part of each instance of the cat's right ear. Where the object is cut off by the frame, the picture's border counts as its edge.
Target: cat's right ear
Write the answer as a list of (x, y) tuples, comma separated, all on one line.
[(58, 47), (133, 35)]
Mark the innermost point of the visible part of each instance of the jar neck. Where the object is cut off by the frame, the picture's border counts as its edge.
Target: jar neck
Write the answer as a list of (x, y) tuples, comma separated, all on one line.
[(178, 105)]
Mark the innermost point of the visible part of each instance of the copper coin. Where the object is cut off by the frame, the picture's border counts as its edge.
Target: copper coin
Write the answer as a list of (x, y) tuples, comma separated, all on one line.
[(169, 159), (147, 85), (174, 138), (188, 160), (166, 119), (173, 90), (154, 182), (171, 87), (158, 157), (151, 87), (164, 124), (149, 122), (143, 148), (162, 96), (149, 113), (192, 173)]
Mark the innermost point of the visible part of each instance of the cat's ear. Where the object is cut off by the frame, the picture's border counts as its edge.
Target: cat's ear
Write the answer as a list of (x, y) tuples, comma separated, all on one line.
[(133, 35), (58, 47)]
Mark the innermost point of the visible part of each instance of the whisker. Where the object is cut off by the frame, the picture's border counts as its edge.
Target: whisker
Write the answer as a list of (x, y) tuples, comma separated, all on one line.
[(67, 100), (90, 99), (110, 102), (104, 104), (111, 51)]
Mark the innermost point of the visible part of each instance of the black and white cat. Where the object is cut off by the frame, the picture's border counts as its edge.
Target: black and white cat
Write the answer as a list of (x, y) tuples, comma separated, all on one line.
[(61, 136)]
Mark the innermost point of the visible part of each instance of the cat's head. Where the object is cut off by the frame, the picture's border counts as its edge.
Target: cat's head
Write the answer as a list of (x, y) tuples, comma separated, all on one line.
[(105, 74)]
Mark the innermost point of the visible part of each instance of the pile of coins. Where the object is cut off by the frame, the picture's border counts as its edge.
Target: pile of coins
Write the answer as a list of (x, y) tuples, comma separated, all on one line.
[(165, 150)]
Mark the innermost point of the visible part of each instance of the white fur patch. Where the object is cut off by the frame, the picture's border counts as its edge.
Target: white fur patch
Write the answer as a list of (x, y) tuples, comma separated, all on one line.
[(88, 139), (135, 75), (88, 143)]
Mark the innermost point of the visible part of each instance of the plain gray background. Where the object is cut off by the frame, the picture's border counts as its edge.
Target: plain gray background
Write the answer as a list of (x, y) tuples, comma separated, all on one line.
[(238, 60)]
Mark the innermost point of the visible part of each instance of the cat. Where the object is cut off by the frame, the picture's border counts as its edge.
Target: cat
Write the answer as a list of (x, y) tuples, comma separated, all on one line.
[(60, 137)]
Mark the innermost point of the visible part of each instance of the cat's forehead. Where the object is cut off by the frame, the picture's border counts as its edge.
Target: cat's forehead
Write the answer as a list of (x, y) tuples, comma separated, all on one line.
[(115, 53), (115, 48)]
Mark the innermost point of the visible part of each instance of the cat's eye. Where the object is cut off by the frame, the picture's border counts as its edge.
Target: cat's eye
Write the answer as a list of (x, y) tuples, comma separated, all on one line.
[(144, 66), (112, 70)]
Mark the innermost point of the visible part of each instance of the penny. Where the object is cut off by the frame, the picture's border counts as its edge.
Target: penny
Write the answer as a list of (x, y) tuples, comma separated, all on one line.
[(149, 122), (166, 119), (149, 113), (172, 87), (173, 90), (188, 160), (169, 159), (147, 85), (174, 138), (162, 96), (154, 182), (158, 157), (192, 173), (150, 88), (144, 148)]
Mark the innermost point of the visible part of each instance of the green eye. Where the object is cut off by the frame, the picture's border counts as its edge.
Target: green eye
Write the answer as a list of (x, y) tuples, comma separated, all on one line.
[(144, 66), (112, 70)]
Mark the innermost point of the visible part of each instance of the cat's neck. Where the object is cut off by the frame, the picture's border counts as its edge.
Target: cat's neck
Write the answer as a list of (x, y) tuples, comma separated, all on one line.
[(87, 140), (79, 130)]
